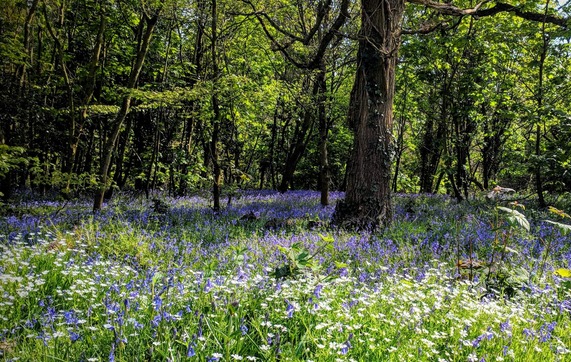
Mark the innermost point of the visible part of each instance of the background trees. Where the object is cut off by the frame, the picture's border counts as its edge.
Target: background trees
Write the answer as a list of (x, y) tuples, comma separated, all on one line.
[(186, 95)]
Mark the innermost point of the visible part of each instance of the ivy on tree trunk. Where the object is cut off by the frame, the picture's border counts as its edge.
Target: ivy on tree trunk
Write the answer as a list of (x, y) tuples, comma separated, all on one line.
[(367, 203)]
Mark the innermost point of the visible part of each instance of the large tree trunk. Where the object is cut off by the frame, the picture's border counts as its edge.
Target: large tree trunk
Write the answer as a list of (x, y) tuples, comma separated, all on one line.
[(367, 203)]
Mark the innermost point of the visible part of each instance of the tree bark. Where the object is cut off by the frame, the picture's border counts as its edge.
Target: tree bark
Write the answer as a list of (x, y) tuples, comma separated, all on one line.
[(323, 135), (367, 203), (538, 133), (216, 116)]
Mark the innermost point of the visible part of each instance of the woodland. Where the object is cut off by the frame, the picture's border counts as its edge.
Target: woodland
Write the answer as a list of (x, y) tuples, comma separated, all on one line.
[(181, 96), (285, 180)]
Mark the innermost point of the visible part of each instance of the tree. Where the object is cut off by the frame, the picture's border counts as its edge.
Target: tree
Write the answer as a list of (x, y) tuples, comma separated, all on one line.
[(323, 35), (367, 202), (147, 26)]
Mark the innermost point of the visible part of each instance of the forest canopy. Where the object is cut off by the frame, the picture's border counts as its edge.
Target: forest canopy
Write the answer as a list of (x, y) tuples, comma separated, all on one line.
[(179, 95)]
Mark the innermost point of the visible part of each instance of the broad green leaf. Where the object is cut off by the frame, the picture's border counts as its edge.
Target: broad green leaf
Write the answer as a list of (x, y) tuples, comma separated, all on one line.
[(563, 228), (515, 217)]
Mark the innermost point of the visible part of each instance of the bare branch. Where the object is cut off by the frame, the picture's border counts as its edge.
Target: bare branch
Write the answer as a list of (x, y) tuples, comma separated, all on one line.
[(447, 8), (317, 58), (427, 28), (499, 7)]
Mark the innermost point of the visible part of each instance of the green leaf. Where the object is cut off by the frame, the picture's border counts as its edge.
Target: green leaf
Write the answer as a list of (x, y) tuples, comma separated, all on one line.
[(327, 238), (515, 218), (563, 228), (511, 250)]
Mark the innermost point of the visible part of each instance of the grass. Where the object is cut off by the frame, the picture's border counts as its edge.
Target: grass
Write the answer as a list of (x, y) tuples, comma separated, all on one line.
[(130, 284)]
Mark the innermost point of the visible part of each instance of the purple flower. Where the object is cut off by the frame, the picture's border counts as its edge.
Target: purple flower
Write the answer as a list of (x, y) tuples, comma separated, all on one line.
[(137, 325), (528, 333), (208, 285), (505, 327), (477, 341), (347, 344), (290, 309), (112, 353), (546, 330), (190, 351), (243, 327), (157, 302), (317, 291), (74, 336), (156, 320)]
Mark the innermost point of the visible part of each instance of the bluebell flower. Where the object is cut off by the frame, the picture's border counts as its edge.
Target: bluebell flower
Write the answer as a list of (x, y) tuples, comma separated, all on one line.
[(156, 320), (208, 285), (112, 353), (290, 309), (505, 327), (477, 341), (70, 317), (74, 336), (190, 350), (157, 302), (546, 330), (317, 290), (243, 327)]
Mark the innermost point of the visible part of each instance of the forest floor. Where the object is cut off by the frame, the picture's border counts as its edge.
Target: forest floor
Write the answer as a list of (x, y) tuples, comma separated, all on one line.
[(266, 279)]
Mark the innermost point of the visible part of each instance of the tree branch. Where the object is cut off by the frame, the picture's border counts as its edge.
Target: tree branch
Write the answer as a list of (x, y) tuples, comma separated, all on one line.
[(317, 58), (430, 28), (499, 7)]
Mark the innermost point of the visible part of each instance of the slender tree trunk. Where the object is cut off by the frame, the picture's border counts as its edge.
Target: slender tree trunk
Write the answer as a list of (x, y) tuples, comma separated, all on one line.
[(271, 160), (187, 143), (153, 162), (494, 130), (26, 42), (367, 202), (216, 115), (109, 145), (301, 137), (323, 135), (400, 138), (434, 138), (123, 145), (538, 133)]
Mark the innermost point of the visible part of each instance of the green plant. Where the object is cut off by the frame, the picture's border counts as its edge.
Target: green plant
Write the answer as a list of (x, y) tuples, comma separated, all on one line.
[(299, 259)]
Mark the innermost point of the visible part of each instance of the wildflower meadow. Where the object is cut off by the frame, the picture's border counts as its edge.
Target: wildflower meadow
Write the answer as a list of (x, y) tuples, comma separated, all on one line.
[(267, 279)]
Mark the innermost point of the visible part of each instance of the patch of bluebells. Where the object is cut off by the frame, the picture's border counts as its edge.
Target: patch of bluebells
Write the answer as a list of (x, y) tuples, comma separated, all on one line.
[(200, 274)]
